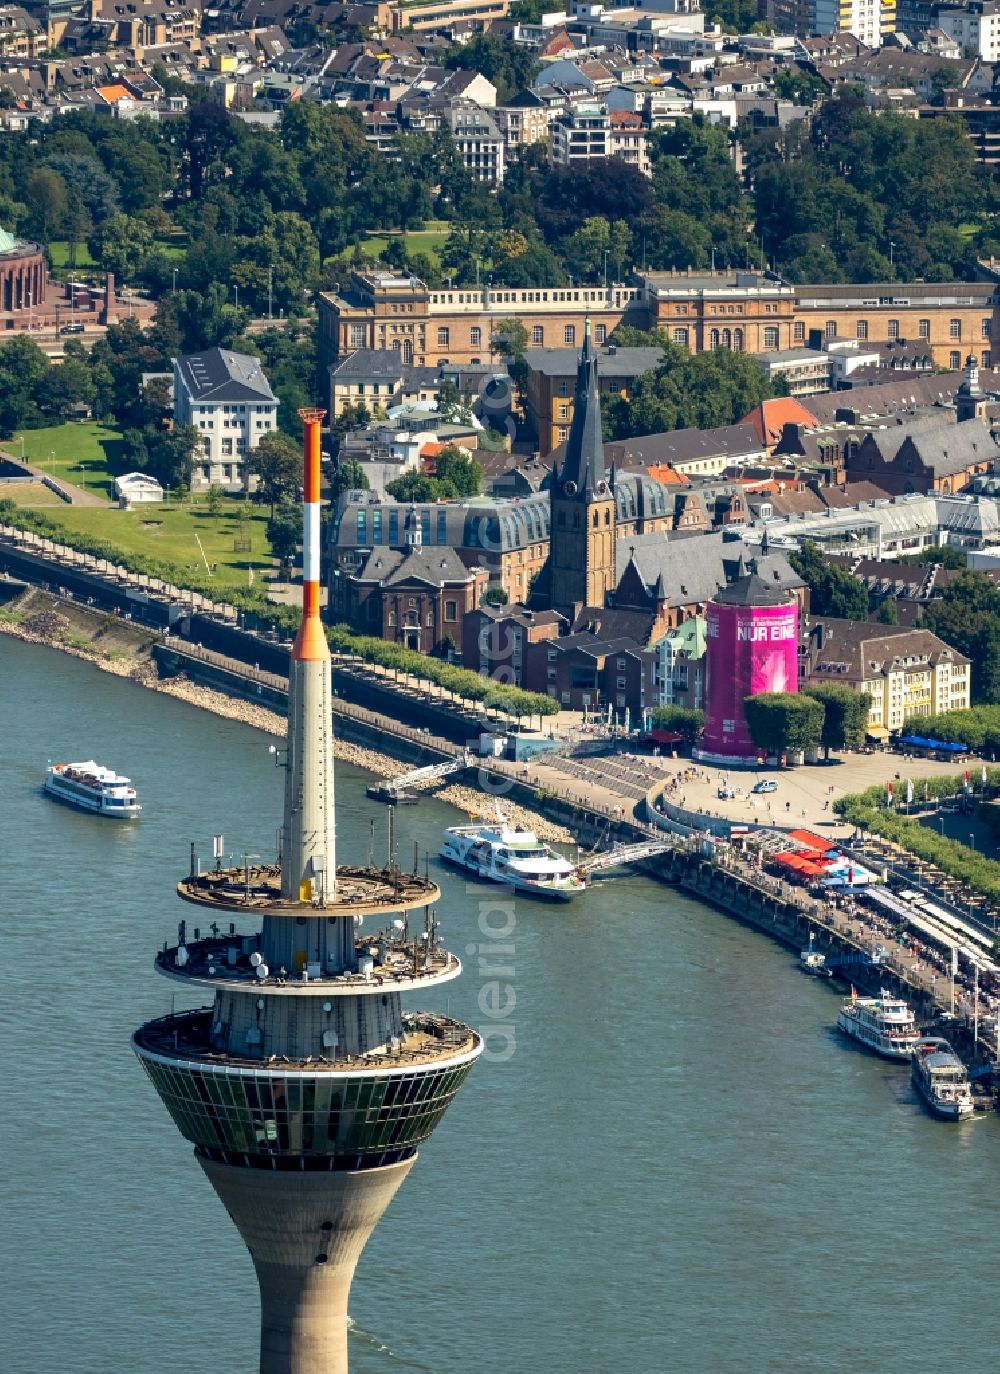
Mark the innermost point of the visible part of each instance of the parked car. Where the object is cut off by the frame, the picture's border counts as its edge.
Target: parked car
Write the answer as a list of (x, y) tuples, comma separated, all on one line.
[(765, 785), (725, 793), (74, 328)]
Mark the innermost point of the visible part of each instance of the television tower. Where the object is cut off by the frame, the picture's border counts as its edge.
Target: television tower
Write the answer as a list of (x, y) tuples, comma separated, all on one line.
[(304, 1087)]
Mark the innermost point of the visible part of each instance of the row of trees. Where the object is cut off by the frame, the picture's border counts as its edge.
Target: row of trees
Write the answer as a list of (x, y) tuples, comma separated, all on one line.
[(460, 682), (869, 810), (828, 716)]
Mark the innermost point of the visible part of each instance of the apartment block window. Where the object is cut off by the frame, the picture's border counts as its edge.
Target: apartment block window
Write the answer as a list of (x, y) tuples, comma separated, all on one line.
[(892, 329), (569, 334), (862, 329), (356, 335), (799, 331), (475, 336), (564, 388), (451, 610), (984, 329), (924, 329), (564, 412), (537, 334), (955, 361), (831, 329), (600, 333), (987, 358), (681, 337), (444, 336), (770, 338), (954, 329)]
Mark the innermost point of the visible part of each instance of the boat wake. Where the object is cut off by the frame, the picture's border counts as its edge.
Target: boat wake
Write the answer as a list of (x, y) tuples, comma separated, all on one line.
[(369, 1338)]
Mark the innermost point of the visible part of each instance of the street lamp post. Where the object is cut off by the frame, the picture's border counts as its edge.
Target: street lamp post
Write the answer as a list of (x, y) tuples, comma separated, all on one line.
[(606, 252), (173, 288), (270, 284), (972, 841), (237, 291), (892, 249)]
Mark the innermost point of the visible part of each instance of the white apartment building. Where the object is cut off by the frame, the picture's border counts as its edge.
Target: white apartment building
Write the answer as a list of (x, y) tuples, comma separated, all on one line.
[(593, 131), (227, 398), (479, 142), (975, 27), (867, 20)]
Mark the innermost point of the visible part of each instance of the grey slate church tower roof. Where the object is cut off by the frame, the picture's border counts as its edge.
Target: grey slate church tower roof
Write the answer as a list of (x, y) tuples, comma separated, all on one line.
[(584, 462), (581, 565)]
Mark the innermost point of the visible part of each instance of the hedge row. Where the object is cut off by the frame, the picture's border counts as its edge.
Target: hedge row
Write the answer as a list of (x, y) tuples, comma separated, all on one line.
[(869, 810), (461, 682), (978, 727)]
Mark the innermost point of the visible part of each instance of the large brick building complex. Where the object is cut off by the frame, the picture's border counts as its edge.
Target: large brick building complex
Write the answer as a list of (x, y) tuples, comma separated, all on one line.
[(382, 309), (751, 311)]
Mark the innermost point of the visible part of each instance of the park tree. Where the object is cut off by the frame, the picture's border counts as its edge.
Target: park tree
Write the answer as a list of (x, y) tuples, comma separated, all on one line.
[(845, 715), (679, 720), (47, 197), (284, 528), (784, 722), (833, 590), (458, 471), (348, 476), (413, 486), (277, 463), (122, 244)]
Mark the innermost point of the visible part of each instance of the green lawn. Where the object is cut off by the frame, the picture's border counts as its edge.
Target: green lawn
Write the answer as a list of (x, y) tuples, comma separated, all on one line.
[(30, 495), (167, 533), (84, 453), (429, 241), (59, 253)]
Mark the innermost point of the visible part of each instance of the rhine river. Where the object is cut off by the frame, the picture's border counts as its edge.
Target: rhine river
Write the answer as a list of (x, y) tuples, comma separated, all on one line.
[(681, 1167)]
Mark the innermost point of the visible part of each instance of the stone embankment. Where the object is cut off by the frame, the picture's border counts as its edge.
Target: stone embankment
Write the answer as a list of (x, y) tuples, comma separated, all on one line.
[(125, 652)]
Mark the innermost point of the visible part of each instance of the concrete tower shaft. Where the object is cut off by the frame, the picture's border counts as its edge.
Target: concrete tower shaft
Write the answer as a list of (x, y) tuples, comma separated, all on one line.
[(308, 829), (305, 1233)]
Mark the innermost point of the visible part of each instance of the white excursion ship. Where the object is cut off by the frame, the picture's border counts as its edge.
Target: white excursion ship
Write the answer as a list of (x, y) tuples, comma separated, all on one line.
[(941, 1080), (500, 853), (884, 1024), (92, 787)]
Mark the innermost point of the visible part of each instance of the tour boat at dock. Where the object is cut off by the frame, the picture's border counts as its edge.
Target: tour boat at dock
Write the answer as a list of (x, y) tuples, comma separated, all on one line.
[(884, 1024), (941, 1079), (501, 853), (92, 787)]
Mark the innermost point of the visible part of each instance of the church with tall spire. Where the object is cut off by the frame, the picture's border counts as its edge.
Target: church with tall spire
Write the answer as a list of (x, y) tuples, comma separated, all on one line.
[(581, 569)]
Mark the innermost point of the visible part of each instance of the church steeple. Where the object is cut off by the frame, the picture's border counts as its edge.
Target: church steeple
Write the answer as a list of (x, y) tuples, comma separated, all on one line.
[(583, 465), (583, 525)]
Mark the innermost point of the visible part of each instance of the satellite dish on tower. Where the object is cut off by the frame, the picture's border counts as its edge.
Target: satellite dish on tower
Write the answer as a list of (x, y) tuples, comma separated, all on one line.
[(262, 971), (255, 959)]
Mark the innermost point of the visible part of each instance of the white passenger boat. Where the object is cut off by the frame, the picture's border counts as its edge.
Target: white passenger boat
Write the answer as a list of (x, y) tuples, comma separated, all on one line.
[(92, 787), (813, 961), (501, 853), (884, 1024), (941, 1079)]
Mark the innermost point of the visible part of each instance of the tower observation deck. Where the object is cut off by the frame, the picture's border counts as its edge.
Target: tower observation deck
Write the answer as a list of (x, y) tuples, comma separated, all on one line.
[(303, 1086)]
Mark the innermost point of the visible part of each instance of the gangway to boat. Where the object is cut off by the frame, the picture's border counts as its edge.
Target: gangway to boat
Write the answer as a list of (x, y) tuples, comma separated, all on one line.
[(875, 960), (399, 789), (623, 854)]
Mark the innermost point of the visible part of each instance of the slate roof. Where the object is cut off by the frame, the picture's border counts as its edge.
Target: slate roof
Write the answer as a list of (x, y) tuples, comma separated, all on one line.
[(695, 569), (622, 362), (683, 446), (434, 566), (857, 649), (751, 590), (219, 375)]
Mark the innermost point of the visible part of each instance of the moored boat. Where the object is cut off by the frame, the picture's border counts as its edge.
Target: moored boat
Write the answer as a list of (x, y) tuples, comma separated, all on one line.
[(884, 1024), (501, 853), (942, 1080), (92, 787), (813, 961)]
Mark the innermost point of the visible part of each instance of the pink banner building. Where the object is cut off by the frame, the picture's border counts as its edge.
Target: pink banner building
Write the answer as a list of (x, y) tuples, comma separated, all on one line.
[(752, 633)]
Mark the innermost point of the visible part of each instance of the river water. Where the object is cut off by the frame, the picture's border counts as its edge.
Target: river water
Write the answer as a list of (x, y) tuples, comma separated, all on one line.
[(680, 1167)]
